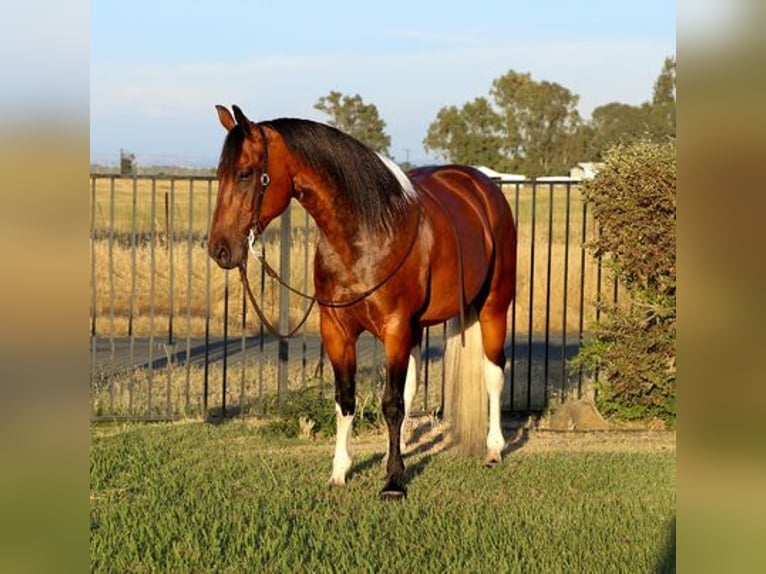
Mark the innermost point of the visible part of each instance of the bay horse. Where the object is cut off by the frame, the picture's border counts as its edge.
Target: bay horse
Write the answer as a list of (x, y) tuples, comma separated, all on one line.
[(395, 253)]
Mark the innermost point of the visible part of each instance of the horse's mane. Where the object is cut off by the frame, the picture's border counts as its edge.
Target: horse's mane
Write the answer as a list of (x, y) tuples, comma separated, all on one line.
[(359, 176)]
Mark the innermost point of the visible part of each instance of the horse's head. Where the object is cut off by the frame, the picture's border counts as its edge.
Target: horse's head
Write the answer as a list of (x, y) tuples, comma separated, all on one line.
[(253, 188)]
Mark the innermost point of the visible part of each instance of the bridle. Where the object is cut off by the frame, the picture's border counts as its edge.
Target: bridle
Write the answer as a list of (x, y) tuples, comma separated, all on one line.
[(265, 180), (254, 234)]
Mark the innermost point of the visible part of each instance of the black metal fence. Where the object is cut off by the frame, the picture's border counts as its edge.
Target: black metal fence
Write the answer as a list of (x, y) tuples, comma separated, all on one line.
[(171, 335)]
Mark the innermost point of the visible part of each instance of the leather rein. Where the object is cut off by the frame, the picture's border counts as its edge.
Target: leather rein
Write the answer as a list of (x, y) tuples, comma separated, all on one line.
[(255, 233)]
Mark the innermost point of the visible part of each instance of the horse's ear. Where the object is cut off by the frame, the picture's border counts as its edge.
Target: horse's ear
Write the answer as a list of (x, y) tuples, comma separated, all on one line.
[(241, 119), (225, 117)]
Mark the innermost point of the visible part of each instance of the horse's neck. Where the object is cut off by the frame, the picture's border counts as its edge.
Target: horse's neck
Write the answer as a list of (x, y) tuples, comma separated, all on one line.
[(339, 230)]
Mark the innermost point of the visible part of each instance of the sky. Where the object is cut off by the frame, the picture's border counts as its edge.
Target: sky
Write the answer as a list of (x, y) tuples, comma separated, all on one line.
[(157, 69)]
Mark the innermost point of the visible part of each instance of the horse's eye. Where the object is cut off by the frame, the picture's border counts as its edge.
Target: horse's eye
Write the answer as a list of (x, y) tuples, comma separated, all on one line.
[(244, 174)]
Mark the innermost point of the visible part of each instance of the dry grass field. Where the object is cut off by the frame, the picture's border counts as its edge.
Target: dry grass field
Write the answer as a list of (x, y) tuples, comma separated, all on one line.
[(149, 260)]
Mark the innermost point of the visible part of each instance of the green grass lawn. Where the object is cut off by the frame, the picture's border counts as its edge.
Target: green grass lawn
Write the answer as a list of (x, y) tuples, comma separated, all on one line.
[(202, 498)]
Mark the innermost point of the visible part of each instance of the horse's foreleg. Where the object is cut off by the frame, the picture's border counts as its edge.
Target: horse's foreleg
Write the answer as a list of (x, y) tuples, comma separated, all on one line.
[(341, 351), (397, 359)]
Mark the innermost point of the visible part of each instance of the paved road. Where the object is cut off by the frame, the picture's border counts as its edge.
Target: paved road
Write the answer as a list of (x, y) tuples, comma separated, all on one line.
[(119, 353)]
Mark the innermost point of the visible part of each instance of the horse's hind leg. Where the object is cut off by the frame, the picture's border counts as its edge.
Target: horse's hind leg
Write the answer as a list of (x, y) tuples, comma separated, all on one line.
[(493, 328), (398, 346), (410, 388)]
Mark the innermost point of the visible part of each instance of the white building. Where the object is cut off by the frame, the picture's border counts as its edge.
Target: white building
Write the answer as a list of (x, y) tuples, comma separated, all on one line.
[(500, 177)]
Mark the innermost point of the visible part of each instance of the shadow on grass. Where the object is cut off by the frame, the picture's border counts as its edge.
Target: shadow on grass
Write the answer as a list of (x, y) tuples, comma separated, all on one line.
[(216, 415), (666, 563), (516, 442), (365, 465)]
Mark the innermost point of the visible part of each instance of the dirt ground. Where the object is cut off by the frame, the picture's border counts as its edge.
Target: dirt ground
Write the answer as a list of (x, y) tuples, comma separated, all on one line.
[(429, 436)]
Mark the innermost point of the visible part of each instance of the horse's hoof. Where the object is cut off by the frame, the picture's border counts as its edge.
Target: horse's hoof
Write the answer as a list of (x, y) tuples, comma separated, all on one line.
[(393, 491), (334, 481), (393, 495)]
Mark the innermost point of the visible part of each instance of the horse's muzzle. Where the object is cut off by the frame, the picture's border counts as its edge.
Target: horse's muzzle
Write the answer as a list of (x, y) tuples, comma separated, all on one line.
[(222, 254)]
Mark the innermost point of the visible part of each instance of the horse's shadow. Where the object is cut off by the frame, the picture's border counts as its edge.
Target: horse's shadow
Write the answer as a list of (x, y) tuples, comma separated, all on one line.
[(516, 442), (422, 452)]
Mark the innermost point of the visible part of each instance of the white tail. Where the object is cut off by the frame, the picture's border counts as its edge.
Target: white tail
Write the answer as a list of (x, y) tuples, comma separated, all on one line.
[(465, 393)]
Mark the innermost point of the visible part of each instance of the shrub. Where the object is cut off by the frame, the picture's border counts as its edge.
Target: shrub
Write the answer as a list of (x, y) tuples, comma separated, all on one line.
[(633, 199), (308, 412)]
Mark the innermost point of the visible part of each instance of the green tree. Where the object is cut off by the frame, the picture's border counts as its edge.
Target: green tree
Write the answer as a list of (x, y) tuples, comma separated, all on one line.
[(470, 135), (351, 115), (654, 121), (615, 123), (541, 123), (663, 106), (527, 126)]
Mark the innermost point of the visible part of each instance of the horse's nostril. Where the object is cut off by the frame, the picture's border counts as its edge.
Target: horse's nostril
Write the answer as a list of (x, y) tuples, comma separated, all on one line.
[(222, 255)]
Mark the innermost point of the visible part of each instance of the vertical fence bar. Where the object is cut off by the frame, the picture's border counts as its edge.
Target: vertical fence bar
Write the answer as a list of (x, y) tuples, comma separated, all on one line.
[(131, 338), (262, 334), (207, 307), (375, 361), (599, 301), (305, 290), (582, 290), (243, 351), (548, 296), (320, 367), (111, 298), (513, 309), (170, 347), (93, 282), (424, 358), (444, 374), (531, 296), (599, 283), (284, 307), (153, 268), (225, 341), (189, 272), (564, 302)]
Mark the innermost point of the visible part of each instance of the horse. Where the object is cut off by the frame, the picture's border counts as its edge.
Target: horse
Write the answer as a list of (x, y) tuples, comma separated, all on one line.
[(395, 253)]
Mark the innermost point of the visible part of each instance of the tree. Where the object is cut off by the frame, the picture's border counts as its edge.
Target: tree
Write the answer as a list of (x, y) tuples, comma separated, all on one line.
[(351, 115), (529, 126), (127, 163), (471, 134), (533, 127), (663, 107), (653, 121), (541, 123), (615, 123)]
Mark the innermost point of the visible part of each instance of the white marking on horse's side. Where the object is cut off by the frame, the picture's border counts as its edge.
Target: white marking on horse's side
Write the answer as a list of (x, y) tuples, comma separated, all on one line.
[(494, 379), (401, 177), (341, 462)]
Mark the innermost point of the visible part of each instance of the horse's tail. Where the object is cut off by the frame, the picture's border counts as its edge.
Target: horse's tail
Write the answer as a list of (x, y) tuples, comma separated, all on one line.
[(465, 394)]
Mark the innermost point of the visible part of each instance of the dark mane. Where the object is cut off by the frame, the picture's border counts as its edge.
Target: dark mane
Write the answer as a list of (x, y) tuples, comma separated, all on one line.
[(358, 175), (232, 148), (356, 172)]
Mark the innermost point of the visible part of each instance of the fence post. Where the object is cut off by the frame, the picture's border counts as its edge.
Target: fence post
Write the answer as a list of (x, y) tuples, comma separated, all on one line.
[(284, 305)]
